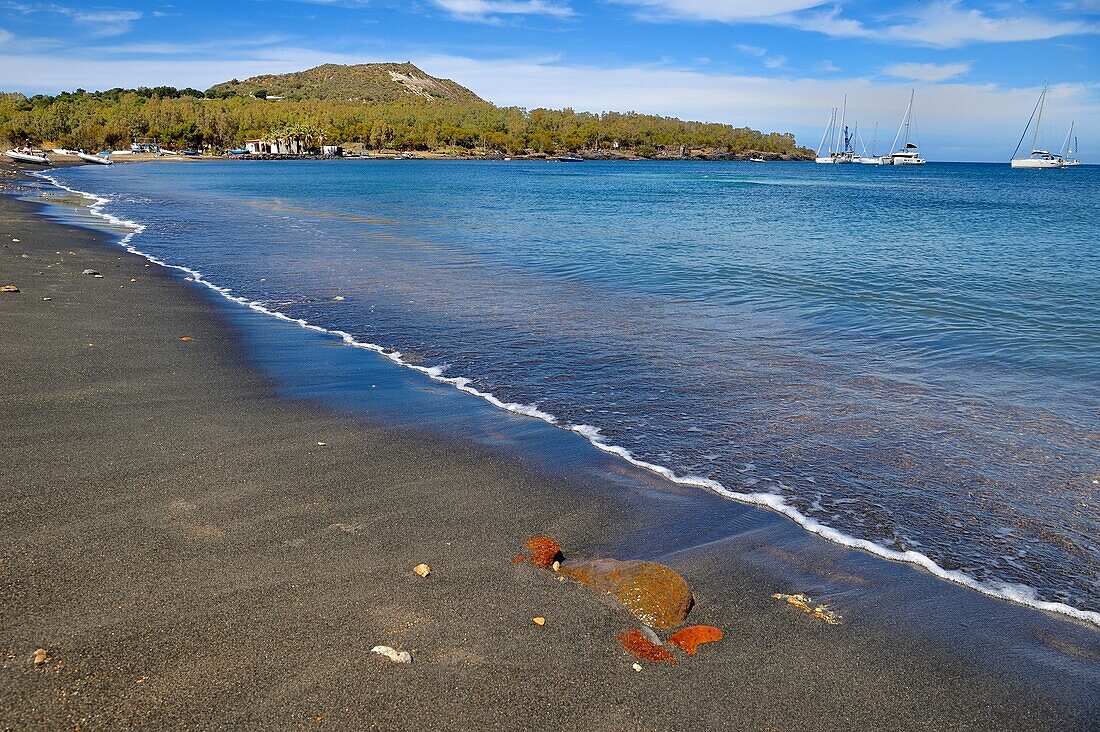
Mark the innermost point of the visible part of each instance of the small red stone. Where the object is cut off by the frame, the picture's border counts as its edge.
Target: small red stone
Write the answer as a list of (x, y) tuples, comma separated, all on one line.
[(692, 637), (642, 648), (544, 551)]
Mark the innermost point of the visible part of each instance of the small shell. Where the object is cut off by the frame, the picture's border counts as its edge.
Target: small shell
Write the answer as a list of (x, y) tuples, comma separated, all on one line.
[(422, 569), (539, 620)]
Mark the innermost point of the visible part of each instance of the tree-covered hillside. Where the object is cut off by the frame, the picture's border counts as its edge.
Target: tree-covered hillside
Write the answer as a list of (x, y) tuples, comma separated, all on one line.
[(220, 118)]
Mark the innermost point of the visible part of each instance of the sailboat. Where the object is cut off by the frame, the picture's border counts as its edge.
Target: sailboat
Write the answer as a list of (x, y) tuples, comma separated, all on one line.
[(1038, 158), (1069, 161), (908, 153), (829, 127), (871, 159), (840, 142)]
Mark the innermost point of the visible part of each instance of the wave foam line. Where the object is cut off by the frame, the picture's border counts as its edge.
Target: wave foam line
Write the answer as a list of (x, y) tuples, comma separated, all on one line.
[(1012, 592)]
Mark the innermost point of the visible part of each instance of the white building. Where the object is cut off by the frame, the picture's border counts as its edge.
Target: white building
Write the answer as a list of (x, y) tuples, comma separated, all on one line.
[(293, 146)]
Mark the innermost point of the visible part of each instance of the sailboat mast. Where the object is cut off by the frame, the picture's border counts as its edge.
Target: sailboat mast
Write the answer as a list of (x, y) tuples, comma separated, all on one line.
[(1039, 119), (828, 132), (909, 115), (874, 139), (840, 132)]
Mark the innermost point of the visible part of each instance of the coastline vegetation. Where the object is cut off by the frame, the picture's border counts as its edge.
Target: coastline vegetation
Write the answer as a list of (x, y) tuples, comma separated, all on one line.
[(222, 118)]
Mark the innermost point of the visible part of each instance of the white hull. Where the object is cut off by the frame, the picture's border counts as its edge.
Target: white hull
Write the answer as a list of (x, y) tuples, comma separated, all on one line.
[(98, 159), (1035, 163), (824, 161), (908, 161), (1071, 163), (871, 161), (27, 158)]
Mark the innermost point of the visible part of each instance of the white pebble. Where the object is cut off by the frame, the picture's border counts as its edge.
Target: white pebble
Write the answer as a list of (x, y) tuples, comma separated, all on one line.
[(392, 654)]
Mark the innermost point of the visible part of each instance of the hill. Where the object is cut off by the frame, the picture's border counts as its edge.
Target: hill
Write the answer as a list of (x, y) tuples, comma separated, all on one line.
[(372, 83)]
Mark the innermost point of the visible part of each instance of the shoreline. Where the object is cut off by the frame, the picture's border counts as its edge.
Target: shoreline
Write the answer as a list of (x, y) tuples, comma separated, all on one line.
[(1017, 594), (139, 392)]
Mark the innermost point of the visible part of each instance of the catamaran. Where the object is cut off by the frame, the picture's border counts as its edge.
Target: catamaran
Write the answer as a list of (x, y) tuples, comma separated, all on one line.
[(840, 142), (1068, 161), (1038, 158), (25, 155), (908, 153)]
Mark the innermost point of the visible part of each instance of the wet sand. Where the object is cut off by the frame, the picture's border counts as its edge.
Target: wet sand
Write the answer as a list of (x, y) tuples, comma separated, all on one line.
[(190, 557)]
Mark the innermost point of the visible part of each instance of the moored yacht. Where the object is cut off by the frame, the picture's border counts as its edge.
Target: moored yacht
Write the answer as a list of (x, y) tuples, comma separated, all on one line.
[(840, 142), (1068, 161), (908, 153), (1039, 159)]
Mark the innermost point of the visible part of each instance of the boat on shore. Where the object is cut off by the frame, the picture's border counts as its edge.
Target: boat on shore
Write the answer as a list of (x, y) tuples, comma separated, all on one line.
[(1038, 159), (89, 158), (909, 152), (26, 155)]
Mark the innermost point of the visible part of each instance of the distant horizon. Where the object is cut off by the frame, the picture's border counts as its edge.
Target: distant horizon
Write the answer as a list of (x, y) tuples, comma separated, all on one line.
[(777, 66)]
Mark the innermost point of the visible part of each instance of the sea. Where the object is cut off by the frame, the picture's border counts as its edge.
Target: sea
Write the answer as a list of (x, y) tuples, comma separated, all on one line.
[(901, 360)]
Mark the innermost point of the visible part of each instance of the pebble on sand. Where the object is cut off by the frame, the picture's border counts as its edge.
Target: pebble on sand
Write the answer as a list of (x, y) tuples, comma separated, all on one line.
[(8, 288), (91, 272), (539, 620), (633, 641), (41, 657), (692, 637), (393, 654), (187, 339), (805, 604), (636, 666), (422, 569)]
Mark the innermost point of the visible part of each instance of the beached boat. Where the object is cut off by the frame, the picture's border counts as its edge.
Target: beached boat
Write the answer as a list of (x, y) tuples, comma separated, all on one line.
[(88, 158), (908, 153), (26, 155), (1039, 159)]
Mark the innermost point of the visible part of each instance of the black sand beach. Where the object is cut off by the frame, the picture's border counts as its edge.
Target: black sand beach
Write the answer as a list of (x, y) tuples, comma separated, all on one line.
[(172, 533)]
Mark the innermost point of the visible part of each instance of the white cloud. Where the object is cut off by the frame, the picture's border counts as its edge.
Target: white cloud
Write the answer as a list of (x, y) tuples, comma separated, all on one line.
[(930, 73), (726, 11), (488, 10), (775, 62), (941, 24), (751, 50), (103, 23), (827, 67)]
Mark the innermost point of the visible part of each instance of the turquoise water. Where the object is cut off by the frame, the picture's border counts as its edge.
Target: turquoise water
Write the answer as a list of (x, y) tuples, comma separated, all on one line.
[(900, 359)]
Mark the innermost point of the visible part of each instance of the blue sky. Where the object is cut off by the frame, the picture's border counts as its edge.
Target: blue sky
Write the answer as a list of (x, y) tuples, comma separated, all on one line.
[(977, 66)]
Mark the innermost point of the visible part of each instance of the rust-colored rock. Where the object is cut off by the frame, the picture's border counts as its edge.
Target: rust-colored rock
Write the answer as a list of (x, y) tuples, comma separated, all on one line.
[(543, 551), (657, 595), (642, 648), (693, 636)]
